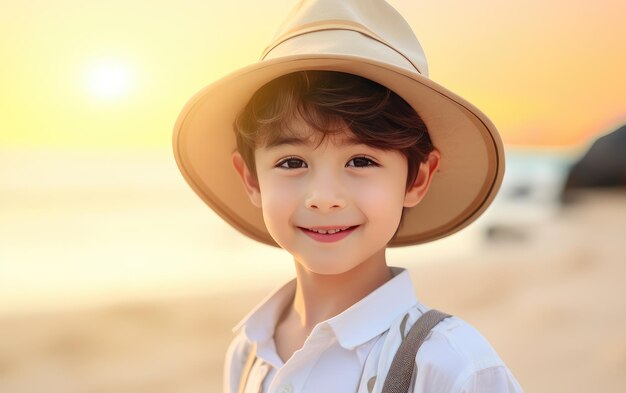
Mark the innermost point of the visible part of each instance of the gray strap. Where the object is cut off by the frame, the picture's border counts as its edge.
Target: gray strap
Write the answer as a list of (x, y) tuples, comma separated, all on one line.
[(401, 370)]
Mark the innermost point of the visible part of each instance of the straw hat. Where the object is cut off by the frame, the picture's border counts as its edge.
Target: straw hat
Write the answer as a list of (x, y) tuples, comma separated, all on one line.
[(368, 38)]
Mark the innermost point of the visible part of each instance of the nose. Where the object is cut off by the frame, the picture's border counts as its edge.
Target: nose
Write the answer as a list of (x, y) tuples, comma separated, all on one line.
[(326, 193)]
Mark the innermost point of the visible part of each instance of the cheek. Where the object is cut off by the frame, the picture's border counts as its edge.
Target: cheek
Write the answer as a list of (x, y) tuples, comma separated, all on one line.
[(277, 199), (384, 193), (382, 203)]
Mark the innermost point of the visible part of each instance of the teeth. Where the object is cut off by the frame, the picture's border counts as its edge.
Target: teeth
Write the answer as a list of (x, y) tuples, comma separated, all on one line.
[(331, 231)]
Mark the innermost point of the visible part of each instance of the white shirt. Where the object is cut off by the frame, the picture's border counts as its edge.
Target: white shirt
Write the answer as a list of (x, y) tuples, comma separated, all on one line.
[(352, 351)]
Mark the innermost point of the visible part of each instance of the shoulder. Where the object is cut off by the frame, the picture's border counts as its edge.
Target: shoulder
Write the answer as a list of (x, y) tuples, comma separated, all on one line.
[(456, 357), (455, 339), (456, 345)]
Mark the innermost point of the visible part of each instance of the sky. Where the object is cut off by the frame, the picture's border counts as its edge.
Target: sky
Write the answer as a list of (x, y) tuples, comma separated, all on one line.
[(115, 74)]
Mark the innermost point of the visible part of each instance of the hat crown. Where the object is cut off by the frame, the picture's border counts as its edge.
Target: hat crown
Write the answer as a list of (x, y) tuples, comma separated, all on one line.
[(375, 19)]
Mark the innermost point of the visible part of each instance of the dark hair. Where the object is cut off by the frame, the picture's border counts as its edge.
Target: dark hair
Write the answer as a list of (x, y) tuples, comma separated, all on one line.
[(330, 101)]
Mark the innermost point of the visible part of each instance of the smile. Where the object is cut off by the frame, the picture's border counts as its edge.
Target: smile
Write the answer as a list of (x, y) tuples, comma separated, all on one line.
[(328, 235)]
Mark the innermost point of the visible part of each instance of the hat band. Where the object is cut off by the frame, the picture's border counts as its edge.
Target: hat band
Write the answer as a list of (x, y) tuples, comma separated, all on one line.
[(332, 24)]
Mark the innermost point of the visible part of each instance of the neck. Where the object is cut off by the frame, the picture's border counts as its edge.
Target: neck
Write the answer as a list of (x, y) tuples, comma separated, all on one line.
[(319, 297)]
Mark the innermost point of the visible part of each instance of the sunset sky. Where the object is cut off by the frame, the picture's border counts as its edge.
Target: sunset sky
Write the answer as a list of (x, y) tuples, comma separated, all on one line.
[(85, 74)]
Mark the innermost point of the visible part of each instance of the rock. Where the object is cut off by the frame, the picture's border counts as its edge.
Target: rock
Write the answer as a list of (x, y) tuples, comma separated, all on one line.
[(603, 166)]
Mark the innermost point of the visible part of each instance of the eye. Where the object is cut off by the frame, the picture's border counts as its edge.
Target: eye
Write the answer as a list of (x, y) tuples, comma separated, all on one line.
[(292, 163), (363, 162)]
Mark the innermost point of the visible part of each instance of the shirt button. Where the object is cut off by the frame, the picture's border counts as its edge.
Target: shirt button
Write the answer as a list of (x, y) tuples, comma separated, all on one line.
[(285, 388)]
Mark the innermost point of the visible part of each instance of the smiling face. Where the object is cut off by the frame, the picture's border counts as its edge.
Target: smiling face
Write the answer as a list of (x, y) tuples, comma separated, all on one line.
[(340, 183)]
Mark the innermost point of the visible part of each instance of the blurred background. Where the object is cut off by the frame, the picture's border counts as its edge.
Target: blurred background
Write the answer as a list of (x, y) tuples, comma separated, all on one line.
[(115, 277)]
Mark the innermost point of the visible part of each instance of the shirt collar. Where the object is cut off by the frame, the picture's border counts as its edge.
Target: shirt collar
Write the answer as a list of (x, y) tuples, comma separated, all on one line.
[(258, 325), (356, 325), (375, 313)]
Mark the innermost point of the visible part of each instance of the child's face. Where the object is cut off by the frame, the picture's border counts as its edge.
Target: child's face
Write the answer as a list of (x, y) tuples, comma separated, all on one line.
[(300, 186)]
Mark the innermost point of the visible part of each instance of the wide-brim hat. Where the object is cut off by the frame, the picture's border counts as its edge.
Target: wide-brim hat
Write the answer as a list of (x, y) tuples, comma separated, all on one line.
[(371, 39)]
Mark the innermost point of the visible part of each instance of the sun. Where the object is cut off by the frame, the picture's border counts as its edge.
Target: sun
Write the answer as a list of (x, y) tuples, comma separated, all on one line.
[(109, 79)]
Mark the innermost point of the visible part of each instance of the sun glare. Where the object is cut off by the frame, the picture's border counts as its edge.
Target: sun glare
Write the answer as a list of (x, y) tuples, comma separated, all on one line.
[(109, 79)]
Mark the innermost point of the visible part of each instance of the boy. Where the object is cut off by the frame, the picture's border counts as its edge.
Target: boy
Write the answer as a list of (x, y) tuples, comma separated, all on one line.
[(342, 147)]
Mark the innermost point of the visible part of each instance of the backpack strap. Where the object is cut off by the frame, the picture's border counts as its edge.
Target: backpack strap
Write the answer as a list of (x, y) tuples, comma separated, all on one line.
[(243, 379), (401, 370)]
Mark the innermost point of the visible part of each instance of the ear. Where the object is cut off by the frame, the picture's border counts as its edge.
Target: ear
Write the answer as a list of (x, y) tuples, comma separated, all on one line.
[(250, 182), (425, 173)]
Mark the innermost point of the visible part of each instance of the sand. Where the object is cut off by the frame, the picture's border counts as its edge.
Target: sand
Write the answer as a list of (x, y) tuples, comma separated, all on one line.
[(549, 296)]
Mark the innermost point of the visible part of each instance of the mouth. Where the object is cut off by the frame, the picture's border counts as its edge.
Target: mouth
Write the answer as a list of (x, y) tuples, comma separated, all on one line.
[(329, 234), (329, 229)]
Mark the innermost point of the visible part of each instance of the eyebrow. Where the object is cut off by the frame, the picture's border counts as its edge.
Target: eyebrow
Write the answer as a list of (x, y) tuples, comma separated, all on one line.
[(297, 141)]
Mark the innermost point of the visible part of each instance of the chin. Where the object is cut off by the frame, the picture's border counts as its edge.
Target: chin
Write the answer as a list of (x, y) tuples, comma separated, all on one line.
[(326, 268)]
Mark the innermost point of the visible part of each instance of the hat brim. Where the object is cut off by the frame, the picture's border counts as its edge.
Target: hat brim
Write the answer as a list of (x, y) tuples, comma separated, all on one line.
[(468, 178)]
